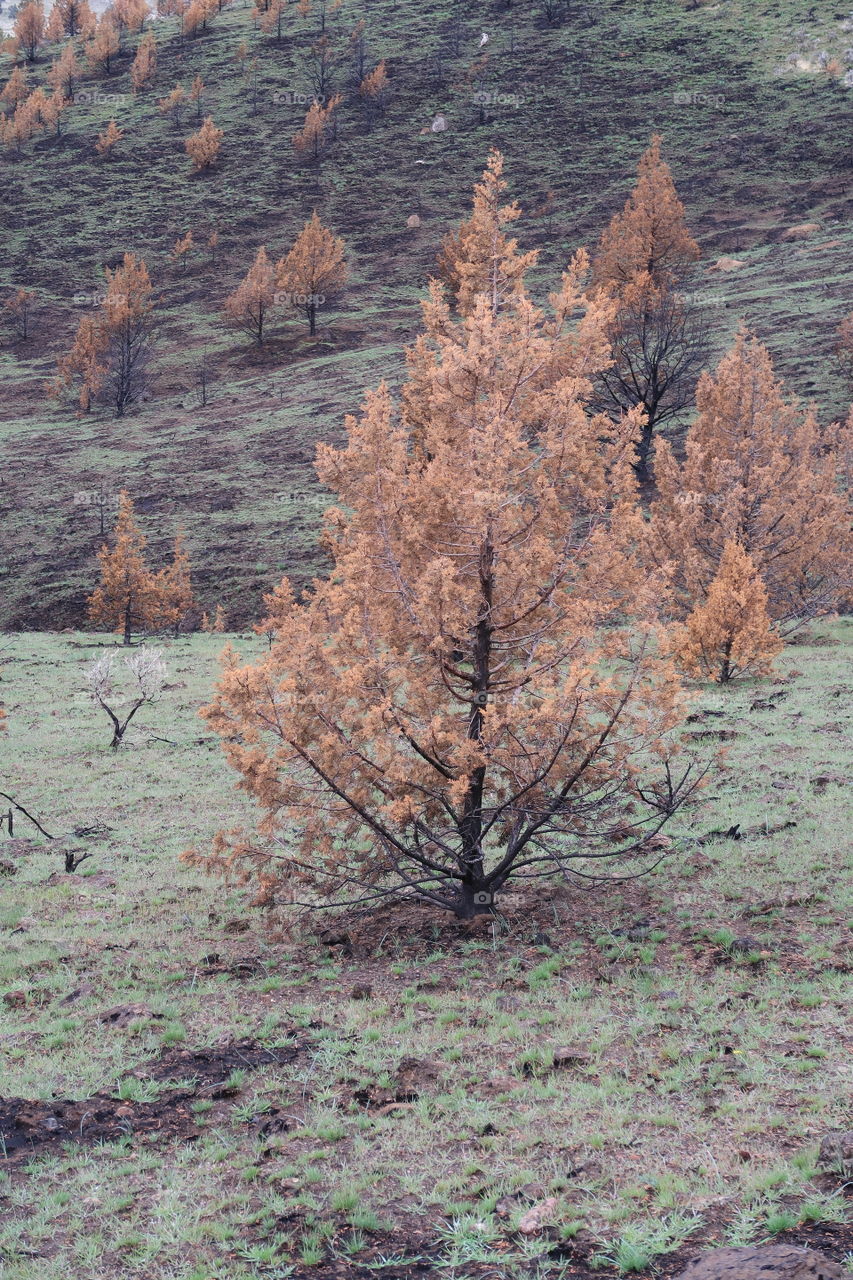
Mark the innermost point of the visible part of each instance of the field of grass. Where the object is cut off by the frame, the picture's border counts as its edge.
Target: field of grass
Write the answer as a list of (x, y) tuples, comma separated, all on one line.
[(757, 143), (192, 1088)]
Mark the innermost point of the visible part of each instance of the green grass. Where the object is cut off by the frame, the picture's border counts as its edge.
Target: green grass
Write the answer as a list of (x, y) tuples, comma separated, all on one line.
[(705, 1084)]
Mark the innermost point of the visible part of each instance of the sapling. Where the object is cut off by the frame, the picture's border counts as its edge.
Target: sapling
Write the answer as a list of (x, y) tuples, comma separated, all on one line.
[(148, 672)]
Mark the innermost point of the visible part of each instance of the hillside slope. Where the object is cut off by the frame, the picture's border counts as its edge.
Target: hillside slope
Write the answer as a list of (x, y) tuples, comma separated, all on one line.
[(757, 134)]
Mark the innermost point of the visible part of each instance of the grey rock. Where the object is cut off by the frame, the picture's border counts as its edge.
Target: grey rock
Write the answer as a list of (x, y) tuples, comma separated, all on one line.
[(771, 1262), (836, 1153)]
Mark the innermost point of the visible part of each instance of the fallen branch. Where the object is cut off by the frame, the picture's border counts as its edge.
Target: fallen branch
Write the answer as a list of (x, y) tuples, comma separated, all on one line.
[(22, 810)]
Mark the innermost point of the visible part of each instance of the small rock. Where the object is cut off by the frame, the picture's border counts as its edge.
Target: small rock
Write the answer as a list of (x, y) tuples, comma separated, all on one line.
[(801, 231), (123, 1014), (570, 1056), (439, 124), (237, 926), (727, 264), (413, 221), (836, 1153), (745, 943), (533, 1220), (85, 989), (413, 1074), (771, 1262)]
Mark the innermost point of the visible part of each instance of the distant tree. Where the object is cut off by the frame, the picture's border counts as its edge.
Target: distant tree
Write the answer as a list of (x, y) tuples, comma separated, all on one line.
[(16, 89), (197, 95), (844, 347), (197, 15), (29, 29), (130, 15), (26, 120), (658, 337), (357, 52), (479, 258), (660, 345), (145, 63), (111, 352), (251, 302), (373, 93), (18, 306), (176, 603), (128, 307), (554, 11), (212, 246), (314, 136), (129, 597), (104, 45), (64, 72), (149, 675), (182, 248), (203, 147), (216, 623), (85, 362), (545, 210), (173, 104), (70, 18), (108, 139), (760, 472), (55, 107), (650, 235), (313, 272), (202, 377), (321, 67), (323, 9), (730, 634), (270, 16)]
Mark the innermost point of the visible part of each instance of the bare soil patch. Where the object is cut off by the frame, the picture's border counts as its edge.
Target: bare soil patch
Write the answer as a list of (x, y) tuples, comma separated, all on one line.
[(30, 1126)]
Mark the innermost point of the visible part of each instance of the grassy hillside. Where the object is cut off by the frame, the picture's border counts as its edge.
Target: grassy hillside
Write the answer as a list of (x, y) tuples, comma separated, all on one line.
[(210, 1096), (757, 134)]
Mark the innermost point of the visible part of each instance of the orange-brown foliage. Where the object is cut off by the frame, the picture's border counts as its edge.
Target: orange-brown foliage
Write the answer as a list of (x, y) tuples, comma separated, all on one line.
[(314, 271), (759, 471), (203, 147), (108, 139), (730, 633), (479, 258), (650, 235), (251, 302), (145, 63), (129, 596), (477, 689)]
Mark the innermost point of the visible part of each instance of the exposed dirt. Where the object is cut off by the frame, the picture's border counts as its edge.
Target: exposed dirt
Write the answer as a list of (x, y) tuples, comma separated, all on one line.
[(420, 1256), (29, 1126)]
